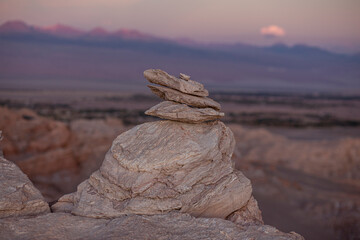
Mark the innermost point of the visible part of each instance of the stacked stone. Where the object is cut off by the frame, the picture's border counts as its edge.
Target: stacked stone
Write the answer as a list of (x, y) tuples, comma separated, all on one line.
[(185, 100), (165, 166)]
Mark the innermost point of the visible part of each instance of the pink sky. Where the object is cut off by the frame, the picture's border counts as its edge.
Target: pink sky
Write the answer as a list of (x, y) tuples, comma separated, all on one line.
[(333, 24)]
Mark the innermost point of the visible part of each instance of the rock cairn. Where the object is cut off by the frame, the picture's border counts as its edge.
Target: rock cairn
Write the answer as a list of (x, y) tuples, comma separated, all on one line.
[(185, 99), (157, 167), (167, 169)]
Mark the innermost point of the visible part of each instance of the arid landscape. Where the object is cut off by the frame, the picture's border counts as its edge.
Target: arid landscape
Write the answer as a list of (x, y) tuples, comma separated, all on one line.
[(301, 152), (150, 119)]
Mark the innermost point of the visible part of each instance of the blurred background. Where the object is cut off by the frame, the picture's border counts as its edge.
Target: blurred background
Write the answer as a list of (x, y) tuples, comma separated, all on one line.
[(287, 74)]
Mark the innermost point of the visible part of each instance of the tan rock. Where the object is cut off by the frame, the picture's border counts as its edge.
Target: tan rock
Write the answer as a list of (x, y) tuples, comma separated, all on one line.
[(174, 226), (183, 113), (184, 77), (249, 214), (183, 84), (27, 133), (179, 97), (162, 166), (64, 204), (18, 196)]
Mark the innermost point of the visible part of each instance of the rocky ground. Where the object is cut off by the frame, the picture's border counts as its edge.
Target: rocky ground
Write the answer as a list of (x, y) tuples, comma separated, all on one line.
[(305, 184), (25, 215), (169, 179)]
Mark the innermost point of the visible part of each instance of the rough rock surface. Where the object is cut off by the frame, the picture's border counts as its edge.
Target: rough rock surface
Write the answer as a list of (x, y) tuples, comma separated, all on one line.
[(164, 226), (249, 214), (182, 84), (176, 96), (162, 166), (183, 113), (18, 196)]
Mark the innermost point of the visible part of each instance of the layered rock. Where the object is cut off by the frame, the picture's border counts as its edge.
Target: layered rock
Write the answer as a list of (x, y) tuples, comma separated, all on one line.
[(179, 97), (182, 84), (249, 214), (183, 113), (162, 166), (15, 186), (18, 196), (165, 226), (185, 99), (162, 226)]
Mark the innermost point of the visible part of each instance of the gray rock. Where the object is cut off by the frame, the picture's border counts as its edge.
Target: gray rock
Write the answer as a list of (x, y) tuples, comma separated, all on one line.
[(183, 113), (18, 196), (179, 97), (182, 84), (163, 166), (166, 226)]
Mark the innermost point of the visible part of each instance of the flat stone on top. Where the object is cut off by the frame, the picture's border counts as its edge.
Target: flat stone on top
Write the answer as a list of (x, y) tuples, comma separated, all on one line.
[(183, 113), (183, 84)]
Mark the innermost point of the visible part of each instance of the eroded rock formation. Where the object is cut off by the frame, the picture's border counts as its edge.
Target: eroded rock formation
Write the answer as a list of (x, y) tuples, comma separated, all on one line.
[(183, 113), (18, 196), (162, 166), (55, 156)]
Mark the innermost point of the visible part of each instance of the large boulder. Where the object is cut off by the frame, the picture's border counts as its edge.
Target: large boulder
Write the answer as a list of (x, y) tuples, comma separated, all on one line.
[(18, 196), (162, 166)]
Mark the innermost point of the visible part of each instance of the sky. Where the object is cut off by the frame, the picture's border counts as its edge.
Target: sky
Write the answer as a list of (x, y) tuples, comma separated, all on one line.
[(331, 24)]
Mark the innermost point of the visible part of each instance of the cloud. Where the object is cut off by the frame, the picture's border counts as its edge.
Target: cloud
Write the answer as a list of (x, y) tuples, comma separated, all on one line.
[(272, 31)]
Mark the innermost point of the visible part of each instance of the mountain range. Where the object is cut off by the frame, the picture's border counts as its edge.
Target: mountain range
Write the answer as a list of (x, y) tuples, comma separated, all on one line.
[(63, 57)]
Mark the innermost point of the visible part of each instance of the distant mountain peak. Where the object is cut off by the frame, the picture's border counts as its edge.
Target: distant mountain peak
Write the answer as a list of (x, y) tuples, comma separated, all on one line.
[(59, 27), (132, 34), (65, 31), (17, 26), (62, 30), (98, 31), (297, 49)]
